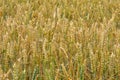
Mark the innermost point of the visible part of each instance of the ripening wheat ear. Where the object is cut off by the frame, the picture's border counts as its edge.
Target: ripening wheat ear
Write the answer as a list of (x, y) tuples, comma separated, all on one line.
[(1, 12)]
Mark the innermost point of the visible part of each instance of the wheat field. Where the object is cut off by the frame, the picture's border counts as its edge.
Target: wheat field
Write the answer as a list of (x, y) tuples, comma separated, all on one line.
[(59, 39)]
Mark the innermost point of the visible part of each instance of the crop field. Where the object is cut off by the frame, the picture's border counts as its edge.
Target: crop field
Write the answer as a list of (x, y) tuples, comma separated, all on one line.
[(59, 39)]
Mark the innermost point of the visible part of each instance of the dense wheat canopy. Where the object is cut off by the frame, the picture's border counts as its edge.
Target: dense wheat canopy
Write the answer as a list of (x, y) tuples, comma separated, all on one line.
[(59, 39)]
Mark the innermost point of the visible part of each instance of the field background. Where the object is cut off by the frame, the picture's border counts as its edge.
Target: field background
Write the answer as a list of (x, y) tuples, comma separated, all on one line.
[(59, 39)]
